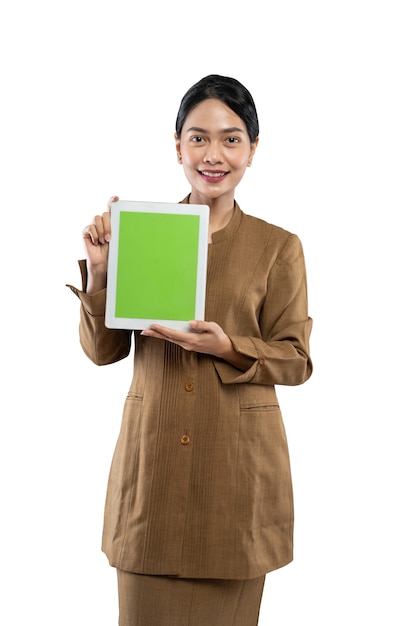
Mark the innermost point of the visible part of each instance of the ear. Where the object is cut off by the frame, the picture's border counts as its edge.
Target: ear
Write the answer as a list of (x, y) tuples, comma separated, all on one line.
[(253, 147), (178, 147)]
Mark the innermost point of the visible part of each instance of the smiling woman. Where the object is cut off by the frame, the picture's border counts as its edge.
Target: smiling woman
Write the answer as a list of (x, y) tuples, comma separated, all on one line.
[(217, 133), (215, 150), (199, 504)]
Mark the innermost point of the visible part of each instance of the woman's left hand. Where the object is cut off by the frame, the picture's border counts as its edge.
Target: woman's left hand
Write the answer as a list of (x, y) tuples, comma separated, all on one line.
[(207, 337)]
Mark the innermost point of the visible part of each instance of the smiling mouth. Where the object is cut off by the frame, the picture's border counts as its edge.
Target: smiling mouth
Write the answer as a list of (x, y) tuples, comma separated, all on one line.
[(212, 174)]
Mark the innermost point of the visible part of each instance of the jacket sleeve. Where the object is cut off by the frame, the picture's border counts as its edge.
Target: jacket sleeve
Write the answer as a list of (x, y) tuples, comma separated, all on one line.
[(282, 353), (101, 344)]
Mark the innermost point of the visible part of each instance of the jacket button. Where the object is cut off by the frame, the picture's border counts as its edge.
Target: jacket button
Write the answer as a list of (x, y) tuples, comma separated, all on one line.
[(185, 440), (261, 361), (189, 385)]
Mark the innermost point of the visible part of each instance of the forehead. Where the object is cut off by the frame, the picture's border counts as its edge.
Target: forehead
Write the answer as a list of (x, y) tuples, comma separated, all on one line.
[(213, 115)]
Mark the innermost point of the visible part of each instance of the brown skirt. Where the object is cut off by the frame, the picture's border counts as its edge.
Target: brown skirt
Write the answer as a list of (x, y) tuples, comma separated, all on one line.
[(169, 601)]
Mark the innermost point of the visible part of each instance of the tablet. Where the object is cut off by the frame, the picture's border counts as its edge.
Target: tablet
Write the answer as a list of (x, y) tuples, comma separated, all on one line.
[(157, 264)]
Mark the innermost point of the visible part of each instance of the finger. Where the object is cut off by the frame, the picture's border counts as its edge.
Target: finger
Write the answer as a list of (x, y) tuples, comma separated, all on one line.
[(164, 331), (106, 226), (110, 202), (100, 227), (90, 233), (148, 332)]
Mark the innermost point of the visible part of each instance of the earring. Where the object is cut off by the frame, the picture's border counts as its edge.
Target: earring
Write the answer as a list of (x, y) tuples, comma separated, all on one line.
[(179, 158)]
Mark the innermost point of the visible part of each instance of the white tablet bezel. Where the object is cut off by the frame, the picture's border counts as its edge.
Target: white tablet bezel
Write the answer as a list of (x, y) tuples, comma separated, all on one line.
[(140, 323)]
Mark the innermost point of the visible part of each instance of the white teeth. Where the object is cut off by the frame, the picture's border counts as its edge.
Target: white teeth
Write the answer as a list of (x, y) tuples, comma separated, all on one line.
[(213, 174)]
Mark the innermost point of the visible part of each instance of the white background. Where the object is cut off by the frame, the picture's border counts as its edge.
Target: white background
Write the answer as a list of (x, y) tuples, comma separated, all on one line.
[(89, 96)]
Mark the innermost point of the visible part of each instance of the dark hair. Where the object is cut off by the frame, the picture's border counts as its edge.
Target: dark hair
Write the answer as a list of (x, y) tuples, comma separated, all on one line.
[(228, 90)]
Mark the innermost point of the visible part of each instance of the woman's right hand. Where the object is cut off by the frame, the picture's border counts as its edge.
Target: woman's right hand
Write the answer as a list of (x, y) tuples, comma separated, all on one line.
[(96, 237)]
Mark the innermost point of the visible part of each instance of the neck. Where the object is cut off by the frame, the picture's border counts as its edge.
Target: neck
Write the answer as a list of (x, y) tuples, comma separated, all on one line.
[(219, 219), (221, 211)]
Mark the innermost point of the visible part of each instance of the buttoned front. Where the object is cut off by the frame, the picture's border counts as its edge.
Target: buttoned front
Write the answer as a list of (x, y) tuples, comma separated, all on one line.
[(200, 482)]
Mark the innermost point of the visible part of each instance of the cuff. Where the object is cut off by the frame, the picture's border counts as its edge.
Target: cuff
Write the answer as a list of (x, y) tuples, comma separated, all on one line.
[(93, 303), (228, 373)]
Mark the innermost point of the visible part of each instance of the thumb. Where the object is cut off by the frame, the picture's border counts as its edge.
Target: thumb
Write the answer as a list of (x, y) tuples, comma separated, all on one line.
[(199, 325)]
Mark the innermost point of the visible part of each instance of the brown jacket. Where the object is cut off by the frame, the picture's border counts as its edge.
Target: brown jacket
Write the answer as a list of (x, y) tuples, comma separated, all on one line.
[(200, 483)]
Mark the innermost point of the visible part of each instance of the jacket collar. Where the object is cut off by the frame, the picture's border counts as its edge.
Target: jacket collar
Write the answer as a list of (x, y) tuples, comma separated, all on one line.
[(230, 229)]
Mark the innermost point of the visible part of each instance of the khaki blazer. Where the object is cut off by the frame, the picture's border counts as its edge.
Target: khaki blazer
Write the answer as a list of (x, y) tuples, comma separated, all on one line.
[(200, 481)]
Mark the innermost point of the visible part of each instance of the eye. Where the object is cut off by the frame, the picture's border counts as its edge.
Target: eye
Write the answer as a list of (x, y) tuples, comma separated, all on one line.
[(232, 140), (197, 139)]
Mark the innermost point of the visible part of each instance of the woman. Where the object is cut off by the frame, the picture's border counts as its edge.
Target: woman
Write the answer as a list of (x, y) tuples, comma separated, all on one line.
[(199, 504)]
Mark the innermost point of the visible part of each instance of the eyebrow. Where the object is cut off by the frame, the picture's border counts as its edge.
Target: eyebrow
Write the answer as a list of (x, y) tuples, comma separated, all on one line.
[(232, 129)]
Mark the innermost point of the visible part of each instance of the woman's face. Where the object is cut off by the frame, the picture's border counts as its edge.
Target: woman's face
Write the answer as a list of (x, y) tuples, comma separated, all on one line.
[(215, 150)]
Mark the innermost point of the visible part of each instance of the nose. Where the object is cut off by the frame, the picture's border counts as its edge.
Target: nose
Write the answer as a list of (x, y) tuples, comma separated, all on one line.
[(213, 154)]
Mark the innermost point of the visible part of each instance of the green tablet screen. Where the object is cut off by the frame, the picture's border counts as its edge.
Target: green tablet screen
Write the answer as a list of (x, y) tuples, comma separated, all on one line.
[(157, 265)]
